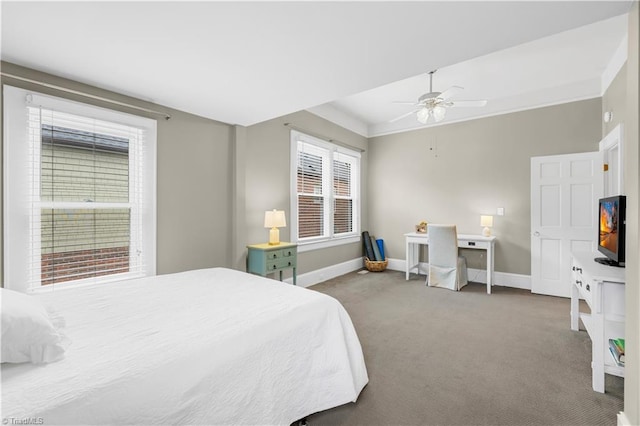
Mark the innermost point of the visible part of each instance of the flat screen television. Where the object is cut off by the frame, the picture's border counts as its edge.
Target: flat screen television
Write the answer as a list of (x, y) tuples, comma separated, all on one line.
[(611, 230)]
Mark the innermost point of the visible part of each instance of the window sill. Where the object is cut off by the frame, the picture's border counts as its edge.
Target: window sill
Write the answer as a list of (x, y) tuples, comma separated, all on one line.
[(88, 282), (316, 245)]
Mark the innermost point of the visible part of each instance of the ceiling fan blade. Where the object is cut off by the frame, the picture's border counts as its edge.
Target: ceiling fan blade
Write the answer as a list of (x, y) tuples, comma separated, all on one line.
[(405, 102), (450, 92), (404, 115), (478, 103)]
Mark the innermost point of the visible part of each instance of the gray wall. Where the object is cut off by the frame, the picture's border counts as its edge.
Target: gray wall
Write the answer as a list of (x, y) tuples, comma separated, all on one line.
[(194, 214), (632, 188), (267, 184), (193, 174), (615, 100), (456, 172)]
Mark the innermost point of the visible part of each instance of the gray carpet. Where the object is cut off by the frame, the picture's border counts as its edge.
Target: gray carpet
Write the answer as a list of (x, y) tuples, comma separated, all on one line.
[(438, 357)]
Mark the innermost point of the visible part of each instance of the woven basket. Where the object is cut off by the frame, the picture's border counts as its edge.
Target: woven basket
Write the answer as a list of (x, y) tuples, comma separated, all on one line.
[(375, 265)]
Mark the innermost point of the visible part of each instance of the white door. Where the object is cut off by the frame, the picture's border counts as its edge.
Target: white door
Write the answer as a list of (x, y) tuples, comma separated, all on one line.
[(611, 149), (564, 215)]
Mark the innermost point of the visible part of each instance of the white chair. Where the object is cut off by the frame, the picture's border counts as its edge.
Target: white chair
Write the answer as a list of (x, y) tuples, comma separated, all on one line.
[(446, 268)]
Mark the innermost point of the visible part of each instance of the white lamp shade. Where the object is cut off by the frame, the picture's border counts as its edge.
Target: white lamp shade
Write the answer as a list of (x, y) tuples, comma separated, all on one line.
[(274, 219), (486, 221)]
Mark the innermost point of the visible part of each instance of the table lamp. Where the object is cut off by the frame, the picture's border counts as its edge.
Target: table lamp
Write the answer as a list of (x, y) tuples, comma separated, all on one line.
[(487, 222), (274, 219)]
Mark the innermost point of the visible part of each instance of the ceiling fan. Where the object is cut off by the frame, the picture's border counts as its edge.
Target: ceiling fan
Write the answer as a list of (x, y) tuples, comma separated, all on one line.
[(435, 104)]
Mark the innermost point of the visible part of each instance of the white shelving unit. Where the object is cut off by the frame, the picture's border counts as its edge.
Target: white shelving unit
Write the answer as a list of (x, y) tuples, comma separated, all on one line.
[(602, 287)]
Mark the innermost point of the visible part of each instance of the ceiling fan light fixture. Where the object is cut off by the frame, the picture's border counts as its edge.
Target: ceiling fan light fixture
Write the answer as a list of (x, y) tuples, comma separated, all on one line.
[(423, 115), (438, 113), (435, 104)]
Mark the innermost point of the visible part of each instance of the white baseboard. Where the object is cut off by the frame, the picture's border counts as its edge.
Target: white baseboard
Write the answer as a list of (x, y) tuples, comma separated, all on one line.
[(623, 420), (504, 279), (319, 275), (397, 265)]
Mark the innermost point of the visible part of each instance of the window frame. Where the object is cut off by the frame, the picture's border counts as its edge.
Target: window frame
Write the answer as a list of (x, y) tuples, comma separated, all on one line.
[(18, 218), (331, 239)]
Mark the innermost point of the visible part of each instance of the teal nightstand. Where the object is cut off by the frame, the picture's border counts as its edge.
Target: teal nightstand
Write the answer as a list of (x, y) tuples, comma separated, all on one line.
[(263, 259)]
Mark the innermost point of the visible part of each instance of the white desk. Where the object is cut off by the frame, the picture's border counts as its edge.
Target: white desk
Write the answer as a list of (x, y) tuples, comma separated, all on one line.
[(415, 239), (602, 287)]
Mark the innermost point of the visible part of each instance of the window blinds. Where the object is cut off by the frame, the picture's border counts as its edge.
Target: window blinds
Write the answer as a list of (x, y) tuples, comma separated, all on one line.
[(343, 186), (84, 193), (313, 163), (90, 194), (327, 188)]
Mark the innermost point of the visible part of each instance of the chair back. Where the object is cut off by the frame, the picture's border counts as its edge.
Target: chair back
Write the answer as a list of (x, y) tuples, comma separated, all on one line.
[(443, 245)]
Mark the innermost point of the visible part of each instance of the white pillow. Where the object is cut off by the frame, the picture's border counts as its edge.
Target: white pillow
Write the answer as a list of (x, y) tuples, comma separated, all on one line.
[(28, 332)]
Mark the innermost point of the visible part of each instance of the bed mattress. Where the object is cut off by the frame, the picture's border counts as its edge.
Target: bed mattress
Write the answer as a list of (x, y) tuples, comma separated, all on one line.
[(210, 346)]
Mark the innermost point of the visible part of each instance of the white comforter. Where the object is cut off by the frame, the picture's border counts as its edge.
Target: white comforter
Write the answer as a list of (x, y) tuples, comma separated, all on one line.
[(212, 346)]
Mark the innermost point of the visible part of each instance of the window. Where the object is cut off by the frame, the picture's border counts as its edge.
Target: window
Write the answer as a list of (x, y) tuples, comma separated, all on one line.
[(325, 192), (80, 193)]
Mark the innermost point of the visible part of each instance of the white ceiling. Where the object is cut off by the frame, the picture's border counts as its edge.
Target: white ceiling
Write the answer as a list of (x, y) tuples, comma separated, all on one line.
[(564, 67), (247, 62)]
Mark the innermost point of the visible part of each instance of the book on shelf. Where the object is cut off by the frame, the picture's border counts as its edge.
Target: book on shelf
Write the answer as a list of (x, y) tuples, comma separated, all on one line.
[(616, 348), (618, 359), (619, 343)]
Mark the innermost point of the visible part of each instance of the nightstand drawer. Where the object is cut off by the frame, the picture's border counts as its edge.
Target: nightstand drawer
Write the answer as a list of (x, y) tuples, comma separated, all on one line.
[(290, 252), (273, 254), (279, 254), (274, 265)]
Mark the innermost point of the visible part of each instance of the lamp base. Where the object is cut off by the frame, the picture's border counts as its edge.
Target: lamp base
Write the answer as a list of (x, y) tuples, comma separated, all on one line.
[(274, 236), (486, 231)]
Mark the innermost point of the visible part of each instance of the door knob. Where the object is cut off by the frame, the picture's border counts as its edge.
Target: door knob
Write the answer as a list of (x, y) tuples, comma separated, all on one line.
[(536, 234)]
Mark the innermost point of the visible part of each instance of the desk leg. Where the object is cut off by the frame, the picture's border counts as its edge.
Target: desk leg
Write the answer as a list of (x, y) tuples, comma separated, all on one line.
[(575, 308), (489, 268), (406, 256), (412, 253)]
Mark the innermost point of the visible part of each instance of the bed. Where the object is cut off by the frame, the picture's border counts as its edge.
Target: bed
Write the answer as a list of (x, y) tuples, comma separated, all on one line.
[(210, 346)]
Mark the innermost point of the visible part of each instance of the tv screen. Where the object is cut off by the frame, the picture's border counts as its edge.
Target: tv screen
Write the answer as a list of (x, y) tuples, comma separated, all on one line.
[(611, 230)]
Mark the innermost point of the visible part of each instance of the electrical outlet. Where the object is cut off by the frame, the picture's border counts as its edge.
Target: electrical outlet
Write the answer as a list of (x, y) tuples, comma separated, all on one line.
[(500, 211)]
